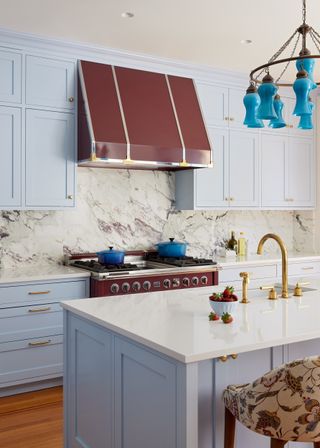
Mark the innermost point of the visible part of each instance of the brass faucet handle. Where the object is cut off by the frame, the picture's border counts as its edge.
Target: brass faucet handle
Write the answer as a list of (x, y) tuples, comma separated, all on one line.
[(298, 290), (272, 292), (245, 275)]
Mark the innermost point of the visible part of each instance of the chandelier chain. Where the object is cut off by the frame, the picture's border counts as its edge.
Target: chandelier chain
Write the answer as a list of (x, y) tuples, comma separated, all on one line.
[(288, 63), (304, 11)]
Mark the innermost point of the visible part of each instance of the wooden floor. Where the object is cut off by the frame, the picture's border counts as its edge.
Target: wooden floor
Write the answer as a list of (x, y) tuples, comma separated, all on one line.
[(32, 420)]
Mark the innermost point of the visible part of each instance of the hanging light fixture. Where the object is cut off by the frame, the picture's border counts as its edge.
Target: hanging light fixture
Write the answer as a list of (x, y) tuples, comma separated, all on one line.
[(269, 105)]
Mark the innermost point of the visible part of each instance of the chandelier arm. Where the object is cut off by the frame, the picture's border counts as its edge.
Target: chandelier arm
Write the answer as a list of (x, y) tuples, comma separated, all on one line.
[(315, 39), (315, 32), (280, 61), (288, 63)]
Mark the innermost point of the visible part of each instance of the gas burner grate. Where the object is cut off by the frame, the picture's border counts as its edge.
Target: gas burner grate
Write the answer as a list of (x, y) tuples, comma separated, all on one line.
[(95, 266), (181, 261)]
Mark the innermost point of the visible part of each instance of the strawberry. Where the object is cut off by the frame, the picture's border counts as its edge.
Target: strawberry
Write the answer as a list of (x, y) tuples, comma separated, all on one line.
[(234, 297), (213, 316), (226, 318), (228, 291), (216, 297)]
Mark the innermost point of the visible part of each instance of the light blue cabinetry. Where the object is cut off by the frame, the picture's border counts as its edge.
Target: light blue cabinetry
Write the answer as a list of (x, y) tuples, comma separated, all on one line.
[(31, 332), (50, 82), (37, 140), (10, 150), (50, 159), (10, 76)]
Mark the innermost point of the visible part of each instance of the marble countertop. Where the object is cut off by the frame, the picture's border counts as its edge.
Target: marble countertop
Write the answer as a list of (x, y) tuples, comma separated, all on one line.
[(254, 259), (176, 323), (35, 273)]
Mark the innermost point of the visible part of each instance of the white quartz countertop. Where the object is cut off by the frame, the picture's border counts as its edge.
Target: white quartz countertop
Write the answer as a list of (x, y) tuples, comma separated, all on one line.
[(255, 259), (35, 273), (176, 323)]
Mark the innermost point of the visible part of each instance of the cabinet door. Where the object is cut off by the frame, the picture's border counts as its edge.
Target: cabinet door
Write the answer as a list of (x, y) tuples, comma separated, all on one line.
[(244, 169), (273, 169), (50, 82), (50, 159), (236, 108), (211, 183), (10, 148), (10, 80), (214, 103), (246, 368), (300, 172)]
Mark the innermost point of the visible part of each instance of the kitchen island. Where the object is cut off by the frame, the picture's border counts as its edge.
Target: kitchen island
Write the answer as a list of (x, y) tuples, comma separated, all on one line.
[(148, 370)]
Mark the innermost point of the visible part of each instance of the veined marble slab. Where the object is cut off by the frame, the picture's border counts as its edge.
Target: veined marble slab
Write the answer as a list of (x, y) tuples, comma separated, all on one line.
[(40, 273)]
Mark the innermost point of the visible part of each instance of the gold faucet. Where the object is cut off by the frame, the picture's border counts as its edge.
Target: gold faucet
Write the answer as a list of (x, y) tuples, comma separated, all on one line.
[(245, 281), (284, 255)]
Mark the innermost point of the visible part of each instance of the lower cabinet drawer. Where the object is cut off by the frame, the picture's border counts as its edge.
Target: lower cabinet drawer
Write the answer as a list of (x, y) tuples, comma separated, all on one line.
[(303, 269), (256, 272), (31, 359), (30, 322), (33, 293)]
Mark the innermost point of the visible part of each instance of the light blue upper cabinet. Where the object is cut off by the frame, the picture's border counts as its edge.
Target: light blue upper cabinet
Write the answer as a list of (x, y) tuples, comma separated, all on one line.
[(10, 150), (50, 159), (10, 77), (50, 82)]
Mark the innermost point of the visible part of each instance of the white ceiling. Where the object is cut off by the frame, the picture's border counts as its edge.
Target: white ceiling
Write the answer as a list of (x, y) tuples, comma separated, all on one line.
[(201, 31)]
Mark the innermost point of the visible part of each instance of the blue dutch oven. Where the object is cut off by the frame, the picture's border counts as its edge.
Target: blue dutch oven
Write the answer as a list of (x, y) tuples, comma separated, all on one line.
[(172, 248), (111, 256)]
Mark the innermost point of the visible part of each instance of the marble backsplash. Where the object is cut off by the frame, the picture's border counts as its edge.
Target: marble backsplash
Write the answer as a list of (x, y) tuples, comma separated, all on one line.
[(133, 210)]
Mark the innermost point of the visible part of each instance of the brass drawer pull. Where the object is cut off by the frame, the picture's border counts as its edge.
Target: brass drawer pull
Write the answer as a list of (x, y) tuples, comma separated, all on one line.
[(39, 310), (39, 344), (71, 99), (308, 269), (36, 293)]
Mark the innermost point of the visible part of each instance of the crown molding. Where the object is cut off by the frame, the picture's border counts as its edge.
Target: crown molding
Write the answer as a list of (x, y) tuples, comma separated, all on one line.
[(78, 50)]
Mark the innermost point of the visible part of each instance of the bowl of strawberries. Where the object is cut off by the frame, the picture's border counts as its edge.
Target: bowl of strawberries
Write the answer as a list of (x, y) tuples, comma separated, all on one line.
[(224, 302)]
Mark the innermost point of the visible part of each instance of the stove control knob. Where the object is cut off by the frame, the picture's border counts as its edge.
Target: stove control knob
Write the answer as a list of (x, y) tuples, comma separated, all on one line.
[(176, 282), (204, 280), (186, 282), (195, 281), (136, 286), (166, 283), (125, 287), (146, 285), (114, 288)]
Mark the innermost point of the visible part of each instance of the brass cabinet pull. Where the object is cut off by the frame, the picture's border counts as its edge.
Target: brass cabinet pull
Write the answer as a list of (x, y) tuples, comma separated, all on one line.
[(231, 199), (36, 293), (39, 343), (231, 119), (289, 199), (69, 196), (310, 268), (226, 118), (39, 310), (226, 199), (71, 99)]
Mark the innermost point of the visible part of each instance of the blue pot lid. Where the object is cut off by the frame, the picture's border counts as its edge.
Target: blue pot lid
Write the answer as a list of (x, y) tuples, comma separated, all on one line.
[(111, 250), (171, 242)]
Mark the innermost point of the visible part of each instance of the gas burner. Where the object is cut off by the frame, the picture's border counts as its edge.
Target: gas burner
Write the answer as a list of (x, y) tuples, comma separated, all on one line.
[(181, 261), (95, 266)]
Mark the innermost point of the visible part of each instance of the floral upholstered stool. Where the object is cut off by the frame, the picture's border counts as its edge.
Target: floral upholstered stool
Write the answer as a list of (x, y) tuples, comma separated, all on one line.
[(284, 405)]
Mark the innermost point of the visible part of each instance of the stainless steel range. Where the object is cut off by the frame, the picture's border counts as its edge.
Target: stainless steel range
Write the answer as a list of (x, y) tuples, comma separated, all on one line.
[(145, 272)]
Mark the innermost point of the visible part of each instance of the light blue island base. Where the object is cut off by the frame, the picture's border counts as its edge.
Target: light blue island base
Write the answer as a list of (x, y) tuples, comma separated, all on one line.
[(122, 394)]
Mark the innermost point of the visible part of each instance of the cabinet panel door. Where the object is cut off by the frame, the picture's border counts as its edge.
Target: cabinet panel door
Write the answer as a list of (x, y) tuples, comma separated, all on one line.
[(10, 80), (214, 104), (236, 108), (210, 183), (50, 82), (246, 368), (300, 172), (10, 148), (273, 169), (244, 169), (50, 159)]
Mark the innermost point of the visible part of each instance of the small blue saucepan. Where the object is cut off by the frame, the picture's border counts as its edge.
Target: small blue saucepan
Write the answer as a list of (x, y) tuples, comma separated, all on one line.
[(111, 256), (172, 248)]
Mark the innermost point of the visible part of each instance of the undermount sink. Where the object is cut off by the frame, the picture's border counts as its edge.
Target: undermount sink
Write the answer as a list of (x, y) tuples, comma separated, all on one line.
[(278, 287)]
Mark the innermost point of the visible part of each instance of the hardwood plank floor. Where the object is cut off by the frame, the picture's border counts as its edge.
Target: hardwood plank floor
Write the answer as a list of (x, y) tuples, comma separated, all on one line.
[(32, 420)]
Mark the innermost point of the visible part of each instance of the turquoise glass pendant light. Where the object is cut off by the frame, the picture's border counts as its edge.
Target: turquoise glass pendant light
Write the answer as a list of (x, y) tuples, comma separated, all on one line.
[(302, 87), (267, 91), (251, 102), (308, 66), (306, 120), (278, 122)]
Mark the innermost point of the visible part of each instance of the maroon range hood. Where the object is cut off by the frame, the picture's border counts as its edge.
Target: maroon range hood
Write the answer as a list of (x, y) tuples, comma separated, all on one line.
[(137, 119)]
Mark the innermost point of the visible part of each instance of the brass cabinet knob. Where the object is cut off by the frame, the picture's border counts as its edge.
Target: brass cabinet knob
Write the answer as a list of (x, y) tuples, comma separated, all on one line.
[(226, 199), (231, 119), (71, 99), (231, 199), (226, 118), (234, 356), (69, 196), (223, 358)]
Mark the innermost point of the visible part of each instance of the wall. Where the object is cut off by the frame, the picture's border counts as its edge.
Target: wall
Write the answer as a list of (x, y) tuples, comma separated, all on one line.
[(134, 209)]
